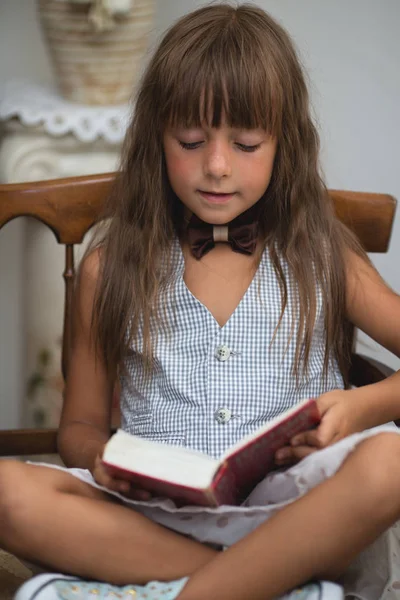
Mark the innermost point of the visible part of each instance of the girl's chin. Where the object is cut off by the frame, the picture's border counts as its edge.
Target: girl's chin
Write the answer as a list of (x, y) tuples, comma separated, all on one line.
[(214, 213)]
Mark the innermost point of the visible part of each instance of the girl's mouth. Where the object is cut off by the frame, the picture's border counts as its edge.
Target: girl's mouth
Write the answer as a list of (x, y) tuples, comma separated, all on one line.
[(215, 197)]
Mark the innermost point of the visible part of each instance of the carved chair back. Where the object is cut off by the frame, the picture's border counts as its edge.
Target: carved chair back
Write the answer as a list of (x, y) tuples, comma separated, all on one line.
[(70, 207)]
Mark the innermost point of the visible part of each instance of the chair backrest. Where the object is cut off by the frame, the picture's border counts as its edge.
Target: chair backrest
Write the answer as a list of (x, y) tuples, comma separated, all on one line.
[(70, 207)]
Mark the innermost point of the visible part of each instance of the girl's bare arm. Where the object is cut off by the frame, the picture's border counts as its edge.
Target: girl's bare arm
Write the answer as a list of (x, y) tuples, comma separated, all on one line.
[(374, 308), (372, 305), (86, 413)]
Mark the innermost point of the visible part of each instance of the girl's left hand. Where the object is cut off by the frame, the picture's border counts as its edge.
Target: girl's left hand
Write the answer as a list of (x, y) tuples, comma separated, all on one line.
[(340, 417)]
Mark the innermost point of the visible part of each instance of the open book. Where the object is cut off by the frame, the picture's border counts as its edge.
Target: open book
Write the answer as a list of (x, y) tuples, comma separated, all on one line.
[(191, 477)]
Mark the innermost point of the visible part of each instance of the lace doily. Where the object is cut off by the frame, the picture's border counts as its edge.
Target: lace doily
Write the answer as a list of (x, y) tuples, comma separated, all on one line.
[(35, 104)]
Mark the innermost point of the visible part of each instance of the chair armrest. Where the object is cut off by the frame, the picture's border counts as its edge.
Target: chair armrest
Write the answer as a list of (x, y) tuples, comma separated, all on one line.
[(24, 442), (365, 370), (20, 442)]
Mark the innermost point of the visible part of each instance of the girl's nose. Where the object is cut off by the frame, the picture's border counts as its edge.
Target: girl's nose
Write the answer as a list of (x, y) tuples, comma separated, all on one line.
[(217, 162)]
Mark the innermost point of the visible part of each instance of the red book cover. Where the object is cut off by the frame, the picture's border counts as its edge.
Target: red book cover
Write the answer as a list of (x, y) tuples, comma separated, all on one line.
[(251, 463), (239, 470)]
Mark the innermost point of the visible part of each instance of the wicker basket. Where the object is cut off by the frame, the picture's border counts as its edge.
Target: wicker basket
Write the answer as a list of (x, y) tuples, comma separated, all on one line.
[(96, 67)]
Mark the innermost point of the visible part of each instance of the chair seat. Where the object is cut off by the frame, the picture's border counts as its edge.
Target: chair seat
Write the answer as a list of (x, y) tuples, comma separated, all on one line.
[(13, 573)]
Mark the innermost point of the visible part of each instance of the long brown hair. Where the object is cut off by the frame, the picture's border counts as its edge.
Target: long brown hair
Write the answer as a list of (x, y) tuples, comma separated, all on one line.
[(244, 63)]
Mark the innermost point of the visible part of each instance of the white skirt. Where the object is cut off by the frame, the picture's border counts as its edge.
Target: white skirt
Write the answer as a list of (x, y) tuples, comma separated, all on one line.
[(374, 575)]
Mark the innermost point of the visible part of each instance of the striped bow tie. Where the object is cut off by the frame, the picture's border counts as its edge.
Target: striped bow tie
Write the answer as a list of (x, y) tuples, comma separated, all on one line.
[(241, 233)]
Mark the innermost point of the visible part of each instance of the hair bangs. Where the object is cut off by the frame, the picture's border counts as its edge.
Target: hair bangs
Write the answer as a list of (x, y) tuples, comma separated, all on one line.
[(224, 83)]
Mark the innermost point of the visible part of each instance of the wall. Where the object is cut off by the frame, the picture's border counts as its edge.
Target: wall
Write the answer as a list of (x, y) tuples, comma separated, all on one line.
[(22, 54), (352, 53)]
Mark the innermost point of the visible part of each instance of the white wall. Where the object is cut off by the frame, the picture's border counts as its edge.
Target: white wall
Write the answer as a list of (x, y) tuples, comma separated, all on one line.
[(22, 54), (352, 53), (11, 323)]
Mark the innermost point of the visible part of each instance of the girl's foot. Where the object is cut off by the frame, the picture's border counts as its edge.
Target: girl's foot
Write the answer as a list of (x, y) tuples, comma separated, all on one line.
[(52, 586)]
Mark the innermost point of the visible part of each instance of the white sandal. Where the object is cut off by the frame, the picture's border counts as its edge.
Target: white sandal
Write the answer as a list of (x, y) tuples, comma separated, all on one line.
[(318, 590), (54, 586)]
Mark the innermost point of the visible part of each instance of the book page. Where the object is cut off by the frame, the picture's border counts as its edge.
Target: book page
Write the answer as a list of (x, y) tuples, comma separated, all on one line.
[(166, 462)]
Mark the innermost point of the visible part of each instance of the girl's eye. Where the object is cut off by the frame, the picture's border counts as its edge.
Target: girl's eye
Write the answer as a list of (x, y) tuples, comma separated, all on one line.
[(189, 145), (248, 148), (194, 145)]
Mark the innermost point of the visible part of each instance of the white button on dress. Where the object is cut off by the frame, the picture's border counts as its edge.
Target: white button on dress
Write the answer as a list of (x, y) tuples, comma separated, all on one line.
[(223, 415), (223, 353)]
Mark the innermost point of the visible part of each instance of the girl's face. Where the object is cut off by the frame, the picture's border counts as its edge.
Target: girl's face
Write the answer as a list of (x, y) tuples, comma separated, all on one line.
[(218, 173)]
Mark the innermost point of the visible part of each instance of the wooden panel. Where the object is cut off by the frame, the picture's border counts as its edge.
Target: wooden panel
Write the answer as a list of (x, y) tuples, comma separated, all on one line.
[(68, 206), (28, 441), (22, 442), (69, 276), (370, 216), (365, 370)]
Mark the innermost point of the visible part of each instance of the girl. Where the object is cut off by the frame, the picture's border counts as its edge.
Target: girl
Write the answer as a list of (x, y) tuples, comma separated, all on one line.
[(212, 339)]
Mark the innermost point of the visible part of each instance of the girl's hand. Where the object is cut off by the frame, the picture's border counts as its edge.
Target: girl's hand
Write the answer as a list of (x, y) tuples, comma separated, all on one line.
[(102, 477), (339, 418)]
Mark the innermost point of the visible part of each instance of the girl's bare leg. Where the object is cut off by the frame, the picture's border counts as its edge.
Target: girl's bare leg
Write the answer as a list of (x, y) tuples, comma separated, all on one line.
[(315, 537), (49, 517)]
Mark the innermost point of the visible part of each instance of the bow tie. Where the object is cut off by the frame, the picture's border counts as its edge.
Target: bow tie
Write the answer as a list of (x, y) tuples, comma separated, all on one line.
[(241, 233)]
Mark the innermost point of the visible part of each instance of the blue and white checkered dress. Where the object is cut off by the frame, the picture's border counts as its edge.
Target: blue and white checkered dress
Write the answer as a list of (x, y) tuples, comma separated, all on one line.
[(213, 385)]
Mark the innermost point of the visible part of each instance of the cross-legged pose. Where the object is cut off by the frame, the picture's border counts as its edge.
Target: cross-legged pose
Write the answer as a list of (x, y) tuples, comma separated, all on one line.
[(222, 280)]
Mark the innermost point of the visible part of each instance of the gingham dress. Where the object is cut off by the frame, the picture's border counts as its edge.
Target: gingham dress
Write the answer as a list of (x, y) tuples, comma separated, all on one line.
[(212, 385)]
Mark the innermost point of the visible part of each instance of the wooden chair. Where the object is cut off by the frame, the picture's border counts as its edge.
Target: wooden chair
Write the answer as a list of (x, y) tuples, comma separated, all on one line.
[(70, 207)]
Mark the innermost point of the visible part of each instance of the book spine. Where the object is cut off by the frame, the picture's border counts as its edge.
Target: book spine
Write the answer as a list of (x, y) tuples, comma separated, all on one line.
[(224, 488)]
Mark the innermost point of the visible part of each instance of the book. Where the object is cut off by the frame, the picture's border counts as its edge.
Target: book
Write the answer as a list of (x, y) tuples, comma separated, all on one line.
[(190, 477)]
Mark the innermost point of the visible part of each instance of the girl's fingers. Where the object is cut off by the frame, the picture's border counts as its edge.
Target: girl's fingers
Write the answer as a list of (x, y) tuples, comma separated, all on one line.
[(283, 453), (300, 452), (102, 477), (116, 485), (284, 457), (306, 438), (136, 494), (328, 431), (289, 455), (123, 486)]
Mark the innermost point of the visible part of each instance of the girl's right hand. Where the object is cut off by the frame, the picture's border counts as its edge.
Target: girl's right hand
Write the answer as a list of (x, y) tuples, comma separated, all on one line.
[(102, 477)]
